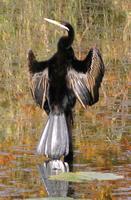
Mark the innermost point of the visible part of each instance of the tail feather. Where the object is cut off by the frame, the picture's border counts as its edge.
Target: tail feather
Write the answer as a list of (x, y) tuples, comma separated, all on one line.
[(54, 141)]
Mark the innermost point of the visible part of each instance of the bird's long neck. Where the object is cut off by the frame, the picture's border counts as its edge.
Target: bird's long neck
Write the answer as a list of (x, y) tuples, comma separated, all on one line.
[(66, 41)]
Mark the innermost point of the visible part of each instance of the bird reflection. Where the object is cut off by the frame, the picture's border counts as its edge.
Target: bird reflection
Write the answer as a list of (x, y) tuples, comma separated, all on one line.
[(54, 188)]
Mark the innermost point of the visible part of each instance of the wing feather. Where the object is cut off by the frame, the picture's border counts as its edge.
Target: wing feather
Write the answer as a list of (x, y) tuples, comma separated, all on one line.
[(85, 77), (95, 74), (38, 78), (77, 83), (39, 85)]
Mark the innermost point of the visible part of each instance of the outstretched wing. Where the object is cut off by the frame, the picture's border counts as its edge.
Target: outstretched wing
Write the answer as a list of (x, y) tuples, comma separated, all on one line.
[(85, 77), (38, 78), (39, 86)]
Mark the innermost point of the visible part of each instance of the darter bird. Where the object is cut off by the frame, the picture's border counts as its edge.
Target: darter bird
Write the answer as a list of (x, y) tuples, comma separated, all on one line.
[(56, 83)]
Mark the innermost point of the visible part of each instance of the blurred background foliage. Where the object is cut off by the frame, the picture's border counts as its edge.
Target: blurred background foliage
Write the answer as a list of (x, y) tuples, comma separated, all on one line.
[(106, 24)]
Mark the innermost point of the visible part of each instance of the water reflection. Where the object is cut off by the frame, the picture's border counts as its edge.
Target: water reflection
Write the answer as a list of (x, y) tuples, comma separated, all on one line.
[(54, 188)]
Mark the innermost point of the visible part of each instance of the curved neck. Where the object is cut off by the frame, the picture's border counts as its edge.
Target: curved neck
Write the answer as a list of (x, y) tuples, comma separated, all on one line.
[(66, 41)]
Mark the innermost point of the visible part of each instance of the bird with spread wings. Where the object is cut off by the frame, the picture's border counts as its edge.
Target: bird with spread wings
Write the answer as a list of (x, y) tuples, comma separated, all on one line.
[(57, 83)]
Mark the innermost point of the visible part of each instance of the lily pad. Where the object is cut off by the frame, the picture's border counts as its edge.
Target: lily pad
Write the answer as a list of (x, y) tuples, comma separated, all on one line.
[(52, 198), (85, 176), (59, 198)]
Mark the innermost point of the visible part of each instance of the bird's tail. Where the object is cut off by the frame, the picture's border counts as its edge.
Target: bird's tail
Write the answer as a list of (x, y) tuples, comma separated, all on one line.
[(54, 141)]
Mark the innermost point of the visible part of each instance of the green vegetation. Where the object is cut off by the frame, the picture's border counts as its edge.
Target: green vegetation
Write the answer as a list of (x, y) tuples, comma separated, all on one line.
[(85, 176)]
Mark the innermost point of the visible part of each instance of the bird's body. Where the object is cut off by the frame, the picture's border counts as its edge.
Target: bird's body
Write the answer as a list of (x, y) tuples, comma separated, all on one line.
[(58, 88), (56, 84)]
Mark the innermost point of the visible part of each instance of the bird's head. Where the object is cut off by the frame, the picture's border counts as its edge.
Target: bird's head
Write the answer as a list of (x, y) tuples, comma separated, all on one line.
[(64, 42)]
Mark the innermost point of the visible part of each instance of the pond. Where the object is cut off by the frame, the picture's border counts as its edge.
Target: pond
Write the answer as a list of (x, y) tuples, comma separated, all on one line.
[(101, 134)]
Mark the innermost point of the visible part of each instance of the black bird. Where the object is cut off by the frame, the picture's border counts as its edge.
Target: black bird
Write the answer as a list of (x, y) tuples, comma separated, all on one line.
[(57, 83)]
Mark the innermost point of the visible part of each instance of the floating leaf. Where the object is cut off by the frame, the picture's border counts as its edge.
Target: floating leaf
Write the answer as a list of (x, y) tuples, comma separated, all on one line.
[(59, 198), (52, 198), (85, 176)]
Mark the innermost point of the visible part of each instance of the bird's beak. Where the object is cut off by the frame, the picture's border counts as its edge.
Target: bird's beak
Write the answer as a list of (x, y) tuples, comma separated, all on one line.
[(57, 23)]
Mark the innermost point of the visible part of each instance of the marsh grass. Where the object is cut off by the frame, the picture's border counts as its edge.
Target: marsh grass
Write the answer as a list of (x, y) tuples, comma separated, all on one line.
[(106, 25)]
